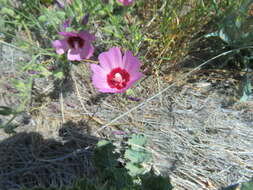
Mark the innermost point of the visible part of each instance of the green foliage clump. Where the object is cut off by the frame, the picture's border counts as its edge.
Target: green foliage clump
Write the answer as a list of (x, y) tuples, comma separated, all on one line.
[(236, 26), (113, 174), (128, 174), (236, 32), (136, 155)]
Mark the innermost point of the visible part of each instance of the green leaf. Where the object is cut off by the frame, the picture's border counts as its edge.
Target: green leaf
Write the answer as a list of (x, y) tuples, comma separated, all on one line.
[(43, 18), (7, 11), (59, 75), (4, 110), (134, 169), (19, 85), (223, 36), (137, 156), (47, 1), (103, 143), (248, 185), (3, 2), (61, 15), (129, 92), (247, 88), (84, 184), (69, 29), (137, 141), (220, 34), (245, 5), (119, 178), (152, 182), (104, 156), (2, 24), (44, 71)]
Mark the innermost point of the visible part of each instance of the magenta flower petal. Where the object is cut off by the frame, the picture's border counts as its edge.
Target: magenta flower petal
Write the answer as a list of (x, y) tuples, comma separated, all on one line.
[(108, 90), (98, 71), (78, 45), (115, 74), (126, 2), (88, 51), (105, 62), (111, 59), (135, 77), (99, 77), (116, 57), (74, 55), (61, 46), (87, 36), (131, 62), (69, 34), (100, 83)]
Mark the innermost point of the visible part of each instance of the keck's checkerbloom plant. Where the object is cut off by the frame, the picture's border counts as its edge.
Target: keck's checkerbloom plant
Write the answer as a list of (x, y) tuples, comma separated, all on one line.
[(126, 2), (77, 45), (116, 73)]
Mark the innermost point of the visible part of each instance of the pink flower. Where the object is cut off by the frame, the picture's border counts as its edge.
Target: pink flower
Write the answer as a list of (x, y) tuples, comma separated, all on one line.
[(77, 45), (126, 2), (115, 74)]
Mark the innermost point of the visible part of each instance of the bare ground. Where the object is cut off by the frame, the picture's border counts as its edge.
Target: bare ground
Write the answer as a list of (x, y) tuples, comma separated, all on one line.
[(200, 135)]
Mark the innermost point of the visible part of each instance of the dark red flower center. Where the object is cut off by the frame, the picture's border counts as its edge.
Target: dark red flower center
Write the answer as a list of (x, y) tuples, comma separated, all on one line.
[(76, 42), (118, 78)]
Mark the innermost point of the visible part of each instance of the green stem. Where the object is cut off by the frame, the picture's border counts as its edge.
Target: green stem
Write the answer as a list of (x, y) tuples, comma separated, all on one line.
[(8, 123)]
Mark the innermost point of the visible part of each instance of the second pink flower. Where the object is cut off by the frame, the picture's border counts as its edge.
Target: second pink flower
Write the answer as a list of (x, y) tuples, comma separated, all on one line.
[(77, 45)]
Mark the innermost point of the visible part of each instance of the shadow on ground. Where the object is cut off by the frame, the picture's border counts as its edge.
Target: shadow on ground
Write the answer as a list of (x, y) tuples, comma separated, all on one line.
[(28, 159)]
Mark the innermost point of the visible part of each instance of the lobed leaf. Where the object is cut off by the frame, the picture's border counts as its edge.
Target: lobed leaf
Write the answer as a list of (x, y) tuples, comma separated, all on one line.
[(134, 169), (137, 157)]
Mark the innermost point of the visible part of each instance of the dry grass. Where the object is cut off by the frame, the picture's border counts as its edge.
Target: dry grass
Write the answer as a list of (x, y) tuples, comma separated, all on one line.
[(199, 134)]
